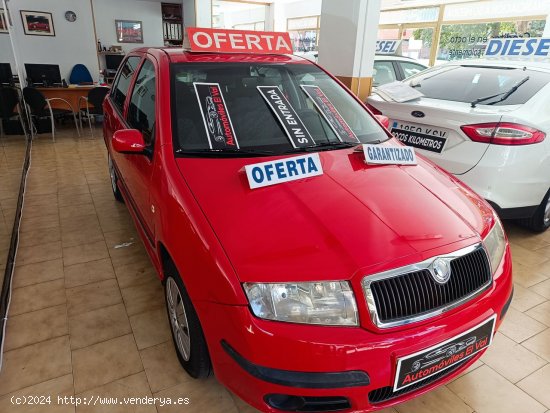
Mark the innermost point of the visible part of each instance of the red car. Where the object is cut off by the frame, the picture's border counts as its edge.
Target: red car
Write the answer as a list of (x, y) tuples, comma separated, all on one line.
[(39, 26), (309, 259)]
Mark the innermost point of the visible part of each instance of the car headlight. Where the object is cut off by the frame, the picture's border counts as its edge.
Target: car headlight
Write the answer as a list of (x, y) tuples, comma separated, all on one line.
[(495, 244), (325, 303)]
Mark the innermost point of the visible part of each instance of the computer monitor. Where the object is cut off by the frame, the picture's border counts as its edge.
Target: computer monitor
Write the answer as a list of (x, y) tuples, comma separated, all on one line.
[(113, 61), (43, 74), (6, 76)]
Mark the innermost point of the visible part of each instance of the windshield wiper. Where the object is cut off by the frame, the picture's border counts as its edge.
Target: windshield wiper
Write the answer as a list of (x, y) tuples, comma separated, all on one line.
[(505, 96), (325, 146), (223, 152)]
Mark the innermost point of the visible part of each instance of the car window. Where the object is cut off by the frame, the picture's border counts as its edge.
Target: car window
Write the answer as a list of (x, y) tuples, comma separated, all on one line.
[(245, 110), (468, 83), (410, 68), (141, 112), (122, 81), (383, 72)]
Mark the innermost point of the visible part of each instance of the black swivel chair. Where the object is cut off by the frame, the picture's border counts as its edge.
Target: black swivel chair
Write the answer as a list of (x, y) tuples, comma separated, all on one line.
[(40, 107), (9, 98), (95, 98)]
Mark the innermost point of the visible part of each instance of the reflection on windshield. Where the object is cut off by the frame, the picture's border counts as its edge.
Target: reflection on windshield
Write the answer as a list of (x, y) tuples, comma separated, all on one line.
[(264, 108), (476, 84)]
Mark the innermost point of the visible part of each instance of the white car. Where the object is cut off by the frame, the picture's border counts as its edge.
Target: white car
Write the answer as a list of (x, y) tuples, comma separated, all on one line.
[(486, 122), (386, 68), (390, 68)]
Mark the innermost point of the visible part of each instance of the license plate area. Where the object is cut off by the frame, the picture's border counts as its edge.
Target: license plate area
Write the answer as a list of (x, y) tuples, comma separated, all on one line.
[(420, 136), (419, 366)]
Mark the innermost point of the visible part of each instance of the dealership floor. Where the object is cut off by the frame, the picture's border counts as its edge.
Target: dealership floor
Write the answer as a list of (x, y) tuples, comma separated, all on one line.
[(87, 313)]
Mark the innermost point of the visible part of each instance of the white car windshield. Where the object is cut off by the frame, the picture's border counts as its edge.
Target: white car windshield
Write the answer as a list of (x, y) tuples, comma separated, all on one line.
[(470, 83), (267, 108)]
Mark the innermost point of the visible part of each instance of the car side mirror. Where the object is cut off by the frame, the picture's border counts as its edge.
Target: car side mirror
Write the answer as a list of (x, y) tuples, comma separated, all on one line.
[(384, 120), (129, 141)]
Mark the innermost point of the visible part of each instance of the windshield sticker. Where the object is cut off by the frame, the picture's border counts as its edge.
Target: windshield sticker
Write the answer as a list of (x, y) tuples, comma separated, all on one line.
[(295, 129), (389, 155), (283, 170), (215, 115), (331, 114)]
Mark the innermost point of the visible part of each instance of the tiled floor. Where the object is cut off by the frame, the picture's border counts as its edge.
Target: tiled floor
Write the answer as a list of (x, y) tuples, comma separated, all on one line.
[(87, 316), (12, 154)]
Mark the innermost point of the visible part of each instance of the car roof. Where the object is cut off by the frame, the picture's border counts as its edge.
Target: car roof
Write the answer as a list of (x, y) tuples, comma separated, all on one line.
[(395, 57), (179, 55), (543, 65)]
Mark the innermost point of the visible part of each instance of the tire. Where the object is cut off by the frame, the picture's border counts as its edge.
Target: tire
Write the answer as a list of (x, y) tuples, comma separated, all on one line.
[(114, 181), (186, 329), (540, 221)]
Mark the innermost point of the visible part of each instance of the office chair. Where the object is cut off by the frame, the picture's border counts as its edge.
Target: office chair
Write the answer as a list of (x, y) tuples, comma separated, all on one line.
[(80, 74), (95, 97), (9, 98), (40, 107)]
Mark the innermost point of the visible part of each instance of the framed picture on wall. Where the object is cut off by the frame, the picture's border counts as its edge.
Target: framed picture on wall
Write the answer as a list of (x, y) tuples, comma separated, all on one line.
[(129, 31), (3, 21), (37, 23)]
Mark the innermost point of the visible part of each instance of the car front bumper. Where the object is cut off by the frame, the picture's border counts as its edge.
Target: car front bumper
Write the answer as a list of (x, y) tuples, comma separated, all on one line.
[(332, 365)]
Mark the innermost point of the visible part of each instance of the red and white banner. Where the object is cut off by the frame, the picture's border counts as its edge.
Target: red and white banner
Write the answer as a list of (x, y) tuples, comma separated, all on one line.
[(238, 41)]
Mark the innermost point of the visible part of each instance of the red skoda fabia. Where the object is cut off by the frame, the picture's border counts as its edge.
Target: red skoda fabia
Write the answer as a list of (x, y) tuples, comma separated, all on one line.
[(310, 261)]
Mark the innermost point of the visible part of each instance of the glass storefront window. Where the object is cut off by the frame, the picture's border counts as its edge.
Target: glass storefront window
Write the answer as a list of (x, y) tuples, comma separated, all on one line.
[(466, 41), (258, 26), (429, 14), (388, 34), (494, 9), (304, 33), (237, 15), (417, 43)]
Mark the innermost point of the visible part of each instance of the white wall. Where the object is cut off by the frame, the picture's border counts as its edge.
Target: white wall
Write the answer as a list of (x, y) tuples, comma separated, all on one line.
[(73, 42), (148, 12), (6, 54)]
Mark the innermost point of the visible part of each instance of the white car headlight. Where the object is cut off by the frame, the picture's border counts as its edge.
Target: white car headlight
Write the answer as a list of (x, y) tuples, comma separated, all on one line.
[(495, 244), (325, 303)]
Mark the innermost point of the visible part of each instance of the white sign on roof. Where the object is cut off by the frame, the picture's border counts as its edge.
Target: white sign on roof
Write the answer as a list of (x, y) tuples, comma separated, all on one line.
[(522, 48)]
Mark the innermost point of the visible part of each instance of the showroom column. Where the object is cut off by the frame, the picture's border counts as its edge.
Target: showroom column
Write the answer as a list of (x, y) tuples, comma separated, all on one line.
[(347, 42), (197, 13)]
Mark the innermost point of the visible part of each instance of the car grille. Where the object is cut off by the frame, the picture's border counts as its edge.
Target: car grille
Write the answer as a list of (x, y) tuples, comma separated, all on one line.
[(383, 394), (413, 295)]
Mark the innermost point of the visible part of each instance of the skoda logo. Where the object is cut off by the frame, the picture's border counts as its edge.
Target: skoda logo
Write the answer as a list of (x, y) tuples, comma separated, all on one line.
[(441, 270), (418, 114)]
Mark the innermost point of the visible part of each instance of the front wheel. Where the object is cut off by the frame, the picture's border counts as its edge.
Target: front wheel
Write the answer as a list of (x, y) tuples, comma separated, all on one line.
[(540, 221), (186, 329)]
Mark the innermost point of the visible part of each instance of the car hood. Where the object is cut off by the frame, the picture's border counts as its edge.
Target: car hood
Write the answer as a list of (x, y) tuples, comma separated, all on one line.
[(328, 227)]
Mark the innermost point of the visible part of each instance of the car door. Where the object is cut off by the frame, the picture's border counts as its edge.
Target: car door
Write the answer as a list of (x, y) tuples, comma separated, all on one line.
[(383, 72), (137, 169), (410, 68)]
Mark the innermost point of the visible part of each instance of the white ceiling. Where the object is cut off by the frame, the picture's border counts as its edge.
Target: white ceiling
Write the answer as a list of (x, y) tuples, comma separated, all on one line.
[(400, 4), (386, 4)]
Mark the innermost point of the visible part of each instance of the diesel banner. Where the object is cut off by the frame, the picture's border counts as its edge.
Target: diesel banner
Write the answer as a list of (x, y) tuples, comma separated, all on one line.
[(296, 131), (217, 122), (419, 366), (331, 114)]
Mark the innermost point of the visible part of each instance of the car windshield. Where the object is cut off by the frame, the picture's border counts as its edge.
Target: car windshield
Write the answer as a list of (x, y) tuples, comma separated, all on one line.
[(242, 108), (469, 83)]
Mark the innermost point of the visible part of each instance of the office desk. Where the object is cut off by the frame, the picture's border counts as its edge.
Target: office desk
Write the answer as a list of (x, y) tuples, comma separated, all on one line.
[(70, 94)]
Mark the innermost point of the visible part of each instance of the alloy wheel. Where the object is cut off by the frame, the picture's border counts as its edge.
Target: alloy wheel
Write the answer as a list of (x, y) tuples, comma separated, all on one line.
[(112, 174), (547, 212), (178, 318)]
